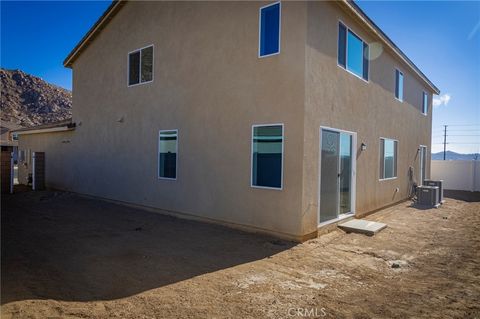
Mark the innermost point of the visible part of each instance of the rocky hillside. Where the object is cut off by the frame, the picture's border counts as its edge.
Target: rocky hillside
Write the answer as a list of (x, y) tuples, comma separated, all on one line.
[(28, 100)]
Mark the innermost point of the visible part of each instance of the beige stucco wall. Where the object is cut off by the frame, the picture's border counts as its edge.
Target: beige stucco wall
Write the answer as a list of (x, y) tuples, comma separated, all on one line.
[(59, 171), (337, 99), (210, 85)]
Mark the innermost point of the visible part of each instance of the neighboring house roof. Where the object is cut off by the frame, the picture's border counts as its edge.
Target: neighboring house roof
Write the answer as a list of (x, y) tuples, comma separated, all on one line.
[(65, 125), (6, 129), (347, 5)]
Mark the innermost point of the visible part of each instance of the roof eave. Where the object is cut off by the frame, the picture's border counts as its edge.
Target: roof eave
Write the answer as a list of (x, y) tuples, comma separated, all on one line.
[(354, 8), (65, 125), (93, 32), (358, 12)]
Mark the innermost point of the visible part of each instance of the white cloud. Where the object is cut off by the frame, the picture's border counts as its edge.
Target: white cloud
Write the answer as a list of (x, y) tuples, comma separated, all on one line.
[(441, 100)]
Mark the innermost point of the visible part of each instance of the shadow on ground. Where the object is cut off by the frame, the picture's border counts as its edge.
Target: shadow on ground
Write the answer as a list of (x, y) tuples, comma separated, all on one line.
[(62, 246), (462, 195)]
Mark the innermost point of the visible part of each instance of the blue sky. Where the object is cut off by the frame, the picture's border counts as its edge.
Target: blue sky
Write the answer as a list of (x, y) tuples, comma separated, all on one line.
[(441, 37), (37, 36)]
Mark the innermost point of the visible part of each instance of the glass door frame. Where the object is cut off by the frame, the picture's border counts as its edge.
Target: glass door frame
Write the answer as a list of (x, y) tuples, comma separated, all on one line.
[(352, 177), (422, 168)]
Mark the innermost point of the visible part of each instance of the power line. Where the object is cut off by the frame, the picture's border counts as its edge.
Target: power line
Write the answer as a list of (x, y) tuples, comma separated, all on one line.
[(454, 130), (468, 130), (457, 135), (462, 125), (464, 135)]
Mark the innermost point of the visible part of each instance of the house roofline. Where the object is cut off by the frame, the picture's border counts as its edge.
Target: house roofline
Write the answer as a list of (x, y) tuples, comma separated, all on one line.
[(348, 4), (66, 125), (104, 19), (356, 10)]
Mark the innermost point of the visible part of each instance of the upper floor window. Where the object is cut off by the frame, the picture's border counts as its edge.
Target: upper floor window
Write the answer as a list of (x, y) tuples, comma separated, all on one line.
[(398, 85), (388, 158), (353, 52), (425, 103), (140, 66), (267, 156), (269, 30)]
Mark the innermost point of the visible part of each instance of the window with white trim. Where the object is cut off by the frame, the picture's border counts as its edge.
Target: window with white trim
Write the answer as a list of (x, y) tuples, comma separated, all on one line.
[(353, 52), (399, 85), (388, 158), (425, 103), (167, 154), (269, 30), (267, 156), (140, 66)]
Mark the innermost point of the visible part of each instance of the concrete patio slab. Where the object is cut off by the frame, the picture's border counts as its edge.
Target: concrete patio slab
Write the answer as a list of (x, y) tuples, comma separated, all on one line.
[(362, 226)]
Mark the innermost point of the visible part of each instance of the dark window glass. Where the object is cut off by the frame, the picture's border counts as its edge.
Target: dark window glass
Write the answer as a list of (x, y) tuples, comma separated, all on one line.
[(399, 85), (395, 156), (425, 104), (167, 154), (396, 83), (365, 60), (270, 30), (134, 68), (147, 64), (342, 44), (267, 156), (382, 160)]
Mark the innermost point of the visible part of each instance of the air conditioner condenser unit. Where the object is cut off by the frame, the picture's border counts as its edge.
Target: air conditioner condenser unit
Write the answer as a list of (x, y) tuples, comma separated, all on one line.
[(431, 182), (428, 196)]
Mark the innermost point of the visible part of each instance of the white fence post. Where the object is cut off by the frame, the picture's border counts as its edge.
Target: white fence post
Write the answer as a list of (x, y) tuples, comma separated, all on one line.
[(33, 171), (12, 172)]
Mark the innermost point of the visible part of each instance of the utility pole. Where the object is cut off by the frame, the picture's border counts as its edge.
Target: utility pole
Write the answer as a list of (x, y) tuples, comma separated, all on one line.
[(445, 143)]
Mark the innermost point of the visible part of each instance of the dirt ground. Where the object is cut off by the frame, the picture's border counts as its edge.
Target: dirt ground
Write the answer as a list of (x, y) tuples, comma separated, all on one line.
[(67, 256)]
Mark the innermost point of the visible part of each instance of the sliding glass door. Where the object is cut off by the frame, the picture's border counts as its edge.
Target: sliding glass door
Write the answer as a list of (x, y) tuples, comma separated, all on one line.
[(335, 174)]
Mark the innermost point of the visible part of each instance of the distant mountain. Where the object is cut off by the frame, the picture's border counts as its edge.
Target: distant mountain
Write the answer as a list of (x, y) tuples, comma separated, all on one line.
[(456, 156), (27, 100)]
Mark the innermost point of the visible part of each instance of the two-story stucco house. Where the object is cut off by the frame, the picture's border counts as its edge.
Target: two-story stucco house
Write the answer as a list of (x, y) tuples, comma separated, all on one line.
[(275, 117)]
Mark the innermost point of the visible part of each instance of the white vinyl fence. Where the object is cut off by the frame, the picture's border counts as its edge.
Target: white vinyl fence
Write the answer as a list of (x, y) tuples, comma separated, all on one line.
[(457, 175)]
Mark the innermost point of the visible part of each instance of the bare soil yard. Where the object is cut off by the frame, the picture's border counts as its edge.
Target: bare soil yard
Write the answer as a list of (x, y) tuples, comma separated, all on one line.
[(67, 256)]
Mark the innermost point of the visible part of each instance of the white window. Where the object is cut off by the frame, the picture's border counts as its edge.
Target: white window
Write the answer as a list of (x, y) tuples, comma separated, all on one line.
[(140, 66), (353, 52), (167, 154), (425, 103), (388, 158), (267, 156), (399, 85)]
